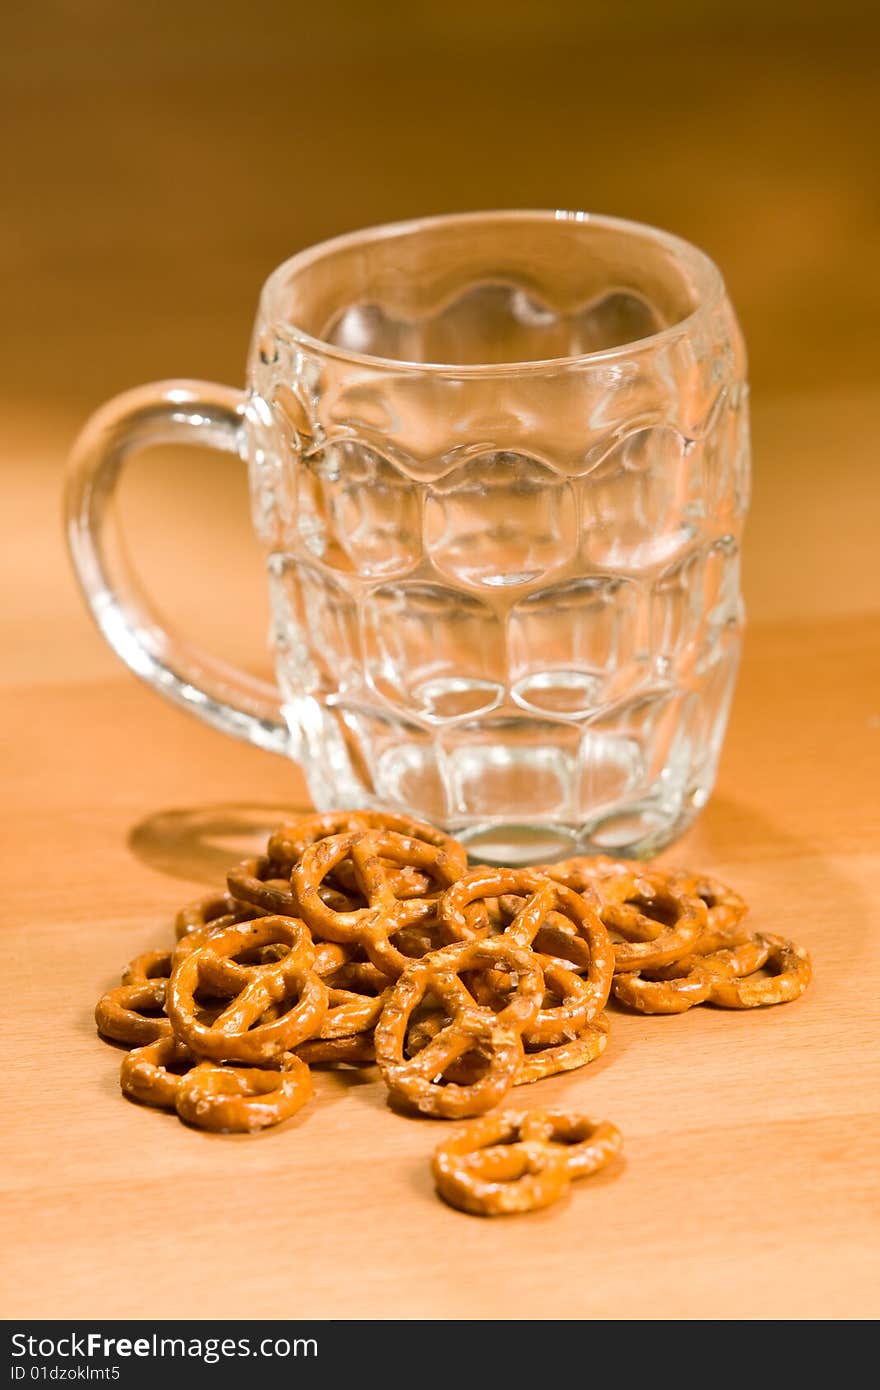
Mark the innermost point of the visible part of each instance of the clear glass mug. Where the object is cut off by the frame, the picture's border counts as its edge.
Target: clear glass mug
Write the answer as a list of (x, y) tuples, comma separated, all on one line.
[(499, 465)]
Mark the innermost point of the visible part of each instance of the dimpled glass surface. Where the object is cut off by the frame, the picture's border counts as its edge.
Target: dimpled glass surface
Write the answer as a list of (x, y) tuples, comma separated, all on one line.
[(508, 601)]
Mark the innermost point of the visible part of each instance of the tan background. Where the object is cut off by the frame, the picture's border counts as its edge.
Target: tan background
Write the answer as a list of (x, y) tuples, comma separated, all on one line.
[(163, 159), (160, 160)]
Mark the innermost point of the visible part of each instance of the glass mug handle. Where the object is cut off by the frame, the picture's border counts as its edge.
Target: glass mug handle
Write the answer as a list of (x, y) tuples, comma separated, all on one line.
[(166, 412)]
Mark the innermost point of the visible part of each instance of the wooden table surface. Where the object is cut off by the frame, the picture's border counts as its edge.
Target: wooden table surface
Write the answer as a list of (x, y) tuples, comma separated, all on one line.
[(749, 1183), (159, 170)]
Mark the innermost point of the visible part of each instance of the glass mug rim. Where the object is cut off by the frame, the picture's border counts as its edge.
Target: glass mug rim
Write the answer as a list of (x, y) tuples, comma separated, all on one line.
[(708, 281)]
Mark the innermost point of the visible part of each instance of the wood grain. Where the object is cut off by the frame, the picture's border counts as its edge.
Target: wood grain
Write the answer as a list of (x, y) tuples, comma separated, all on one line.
[(751, 1139)]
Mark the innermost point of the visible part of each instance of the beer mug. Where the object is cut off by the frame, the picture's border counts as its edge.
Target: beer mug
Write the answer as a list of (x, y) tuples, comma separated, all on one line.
[(499, 468)]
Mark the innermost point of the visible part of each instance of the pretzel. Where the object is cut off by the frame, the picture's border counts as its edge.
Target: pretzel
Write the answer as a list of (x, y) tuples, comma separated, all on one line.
[(262, 883), (499, 1181), (792, 972), (555, 1022), (217, 909), (584, 872), (539, 1061), (487, 897), (676, 988), (648, 941), (374, 925), (329, 955), (357, 1048), (246, 1030), (239, 1100), (332, 956), (351, 1012), (725, 907), (416, 1081), (151, 965), (536, 901), (265, 884), (165, 1074), (289, 842), (725, 910), (542, 1061), (520, 1160), (151, 1074), (132, 1014)]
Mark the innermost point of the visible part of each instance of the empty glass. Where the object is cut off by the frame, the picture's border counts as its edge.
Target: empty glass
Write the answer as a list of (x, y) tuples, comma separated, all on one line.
[(499, 467)]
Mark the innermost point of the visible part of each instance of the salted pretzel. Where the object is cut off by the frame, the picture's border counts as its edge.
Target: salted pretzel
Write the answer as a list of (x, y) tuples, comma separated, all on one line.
[(263, 885), (725, 907), (353, 1010), (790, 971), (150, 965), (727, 978), (250, 1028), (487, 897), (288, 844), (355, 1049), (231, 1100), (375, 925), (134, 1013), (584, 872), (469, 1028), (541, 1060), (151, 1074), (217, 909), (673, 989), (329, 955), (239, 1100), (533, 901), (725, 911), (519, 1161), (567, 1007), (657, 919)]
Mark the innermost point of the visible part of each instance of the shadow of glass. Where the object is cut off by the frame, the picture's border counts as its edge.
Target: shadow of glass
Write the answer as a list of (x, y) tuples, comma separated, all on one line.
[(202, 842)]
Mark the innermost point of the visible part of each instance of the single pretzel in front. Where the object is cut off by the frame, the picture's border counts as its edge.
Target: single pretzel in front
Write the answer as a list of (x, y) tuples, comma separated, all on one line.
[(516, 1161)]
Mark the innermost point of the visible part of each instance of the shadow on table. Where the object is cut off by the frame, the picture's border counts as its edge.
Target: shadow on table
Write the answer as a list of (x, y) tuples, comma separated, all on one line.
[(202, 842)]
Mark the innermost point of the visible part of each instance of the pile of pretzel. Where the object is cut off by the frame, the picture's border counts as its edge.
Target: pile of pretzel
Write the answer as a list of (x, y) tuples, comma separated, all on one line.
[(363, 937)]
